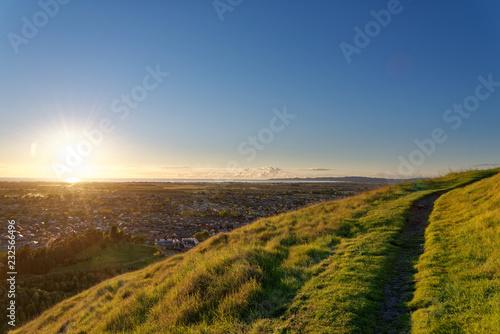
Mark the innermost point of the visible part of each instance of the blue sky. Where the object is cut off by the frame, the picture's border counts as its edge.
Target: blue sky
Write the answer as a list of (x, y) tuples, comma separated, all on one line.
[(225, 78)]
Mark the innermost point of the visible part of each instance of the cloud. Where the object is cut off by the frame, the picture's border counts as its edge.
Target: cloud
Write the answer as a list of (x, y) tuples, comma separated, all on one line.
[(175, 167), (251, 173), (269, 171), (313, 169), (262, 172)]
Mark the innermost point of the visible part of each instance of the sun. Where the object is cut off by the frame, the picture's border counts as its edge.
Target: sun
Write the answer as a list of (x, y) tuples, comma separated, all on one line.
[(70, 157), (72, 180)]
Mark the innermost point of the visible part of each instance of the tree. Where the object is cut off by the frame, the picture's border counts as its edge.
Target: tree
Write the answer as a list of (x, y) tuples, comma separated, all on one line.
[(36, 297), (115, 233), (201, 236), (187, 213), (93, 236), (223, 213)]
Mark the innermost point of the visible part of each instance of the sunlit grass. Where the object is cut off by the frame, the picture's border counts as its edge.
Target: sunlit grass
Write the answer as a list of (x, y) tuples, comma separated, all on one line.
[(458, 289)]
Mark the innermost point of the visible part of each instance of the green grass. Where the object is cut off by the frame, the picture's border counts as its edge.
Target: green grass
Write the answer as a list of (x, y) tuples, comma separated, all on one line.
[(115, 254), (315, 270), (458, 289)]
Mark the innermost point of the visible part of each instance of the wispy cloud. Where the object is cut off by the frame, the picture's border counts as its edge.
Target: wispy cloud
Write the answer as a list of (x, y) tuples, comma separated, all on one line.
[(175, 167), (314, 169), (258, 173)]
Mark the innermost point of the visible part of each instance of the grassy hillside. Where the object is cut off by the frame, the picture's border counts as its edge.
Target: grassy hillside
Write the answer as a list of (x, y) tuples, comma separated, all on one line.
[(319, 269), (458, 289)]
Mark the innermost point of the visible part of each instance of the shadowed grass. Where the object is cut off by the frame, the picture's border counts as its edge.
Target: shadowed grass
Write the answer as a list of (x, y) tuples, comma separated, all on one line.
[(114, 254)]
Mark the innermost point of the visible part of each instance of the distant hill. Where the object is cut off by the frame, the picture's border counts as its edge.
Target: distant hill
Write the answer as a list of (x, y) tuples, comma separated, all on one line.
[(321, 269), (360, 179)]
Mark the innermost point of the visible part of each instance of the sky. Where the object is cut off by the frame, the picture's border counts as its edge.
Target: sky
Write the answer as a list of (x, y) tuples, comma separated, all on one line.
[(236, 89)]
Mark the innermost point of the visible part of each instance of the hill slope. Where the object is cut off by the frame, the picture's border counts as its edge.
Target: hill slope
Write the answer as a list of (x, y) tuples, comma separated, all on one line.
[(319, 269), (458, 289)]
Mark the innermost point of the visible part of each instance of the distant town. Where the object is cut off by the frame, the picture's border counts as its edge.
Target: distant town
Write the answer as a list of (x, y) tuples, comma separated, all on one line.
[(167, 215)]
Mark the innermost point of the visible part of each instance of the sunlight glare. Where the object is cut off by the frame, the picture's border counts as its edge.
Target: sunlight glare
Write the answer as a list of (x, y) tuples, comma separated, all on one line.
[(72, 180)]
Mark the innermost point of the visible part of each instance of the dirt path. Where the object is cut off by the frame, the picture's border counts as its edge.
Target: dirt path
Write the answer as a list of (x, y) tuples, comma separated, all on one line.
[(395, 316)]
